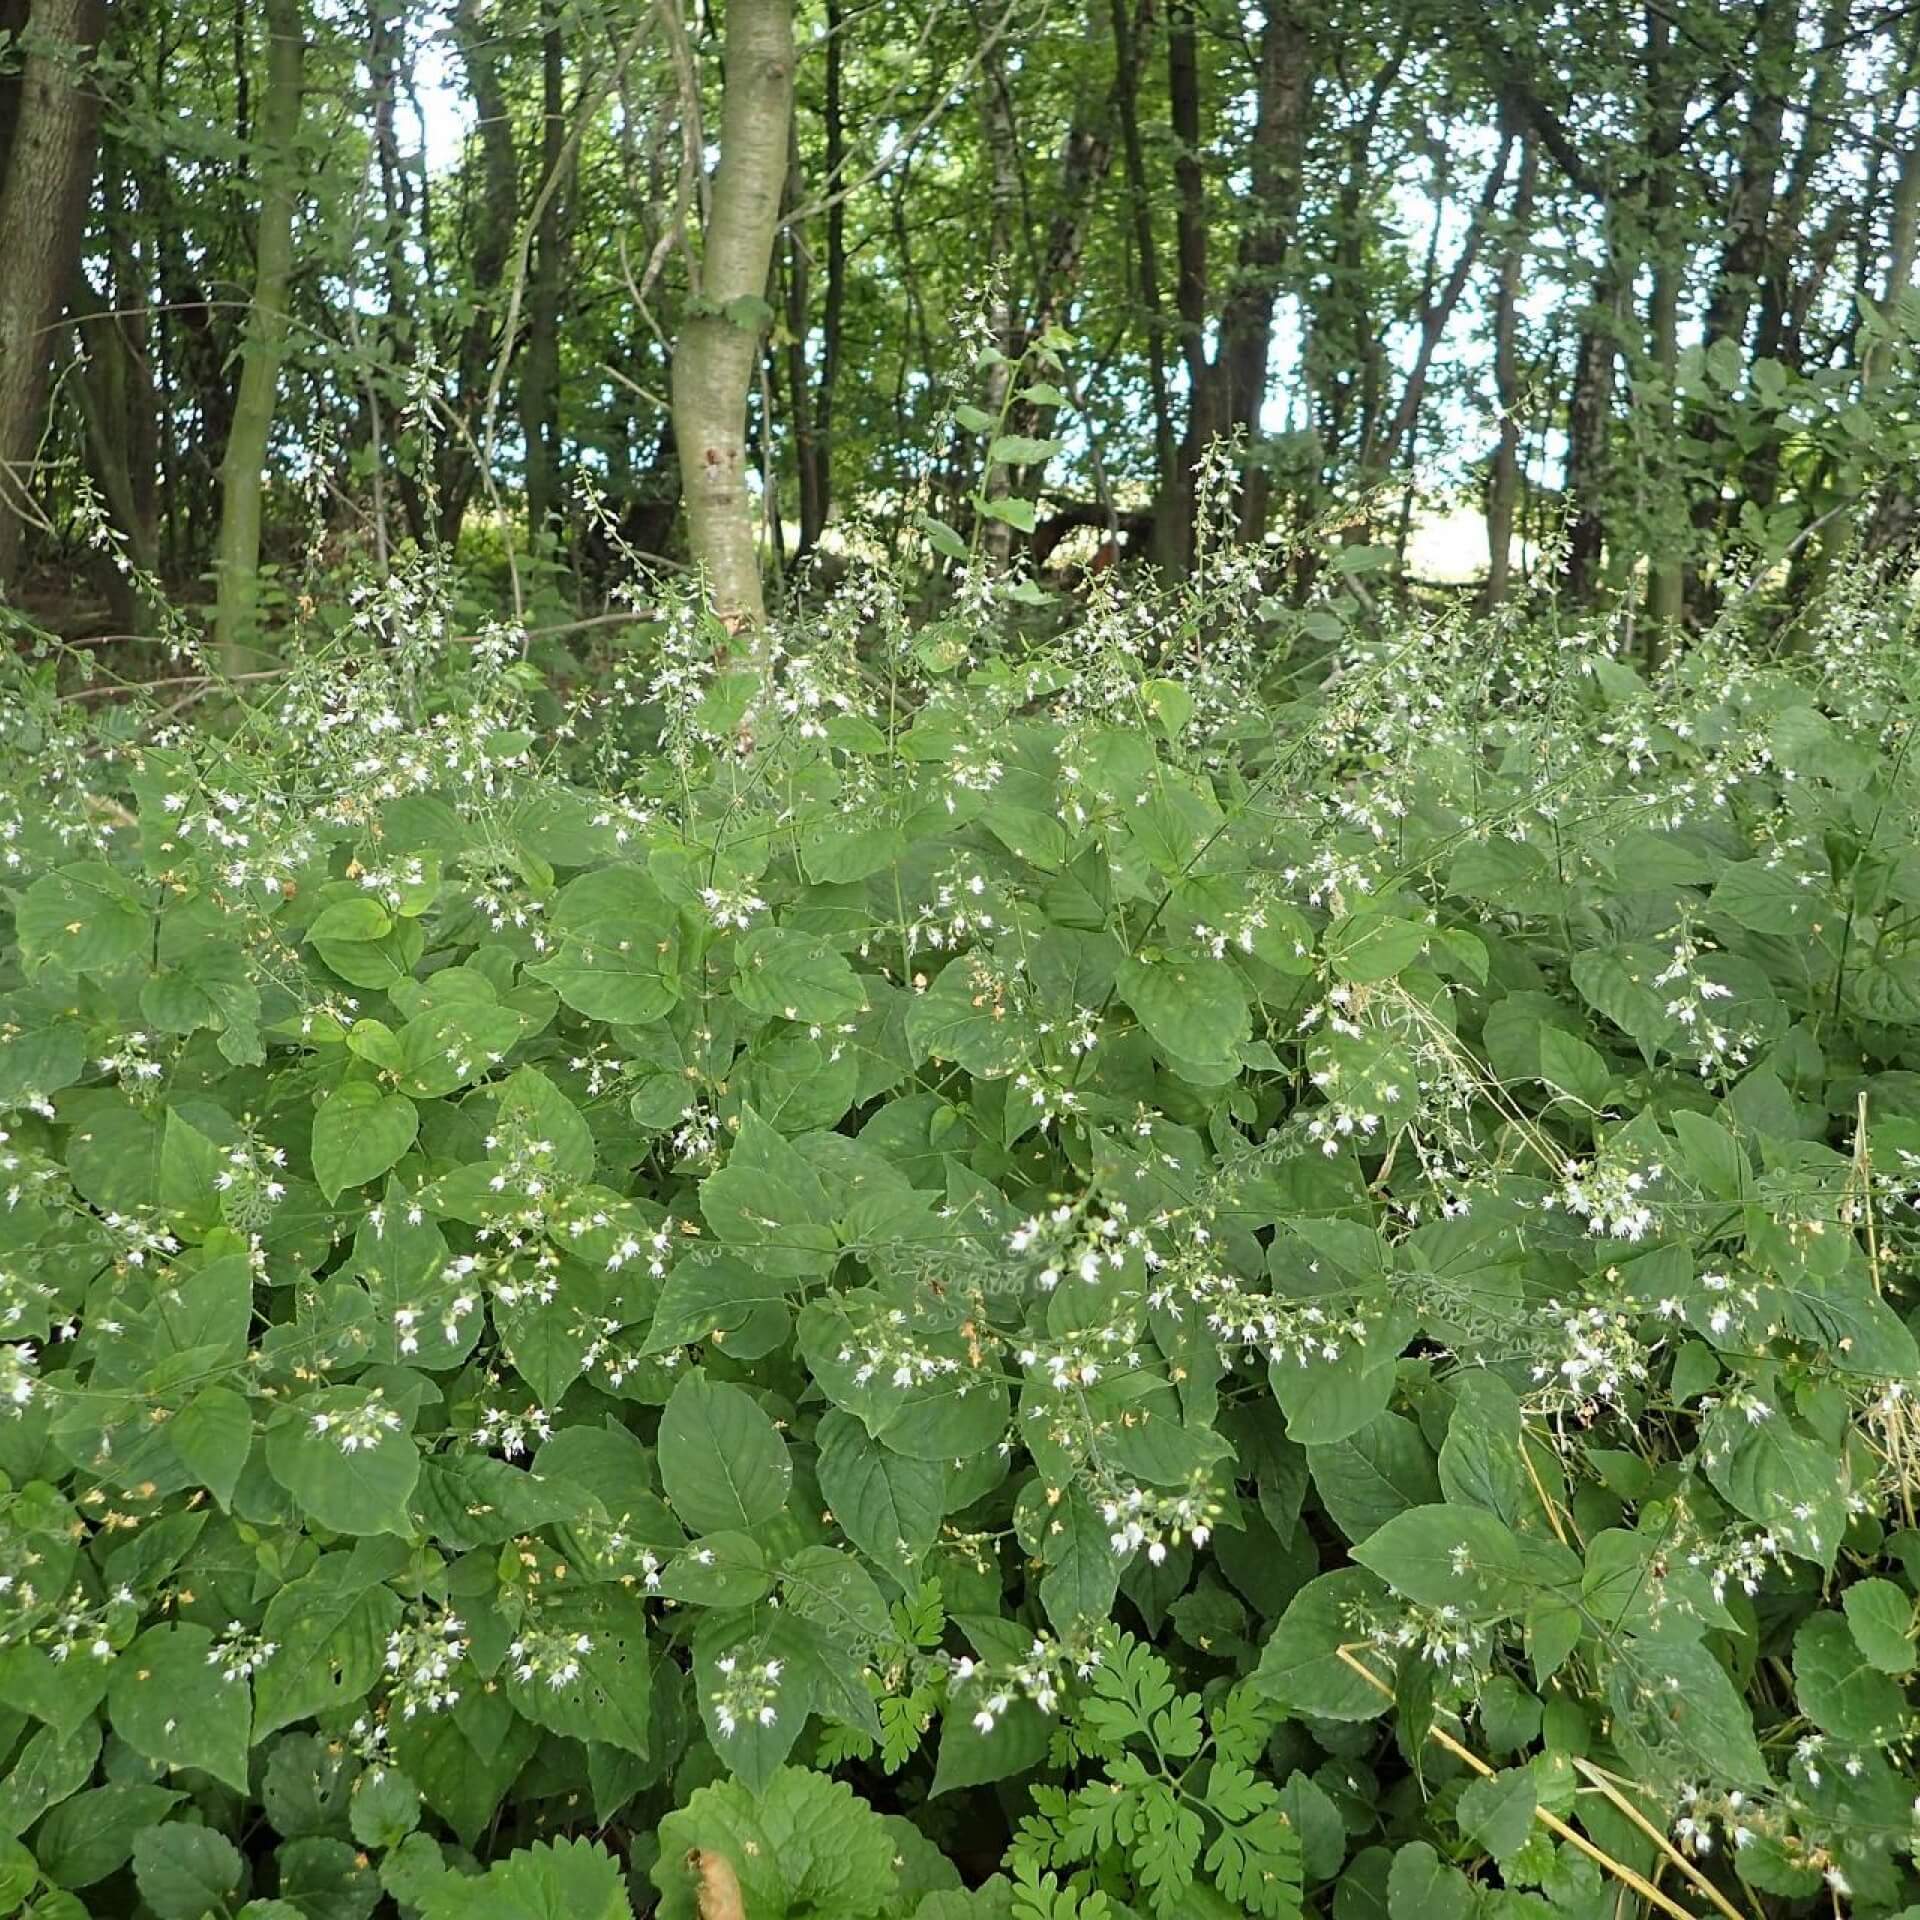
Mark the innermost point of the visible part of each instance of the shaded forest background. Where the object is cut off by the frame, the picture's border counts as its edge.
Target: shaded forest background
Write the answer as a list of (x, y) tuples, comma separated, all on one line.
[(323, 280)]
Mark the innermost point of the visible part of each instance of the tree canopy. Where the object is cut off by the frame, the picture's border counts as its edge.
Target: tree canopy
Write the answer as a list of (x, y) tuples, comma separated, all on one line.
[(1634, 282)]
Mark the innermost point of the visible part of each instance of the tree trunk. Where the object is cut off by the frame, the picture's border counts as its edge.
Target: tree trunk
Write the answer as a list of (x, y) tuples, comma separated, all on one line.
[(540, 362), (1503, 480), (42, 219), (1190, 278), (1285, 95), (1126, 85), (717, 352), (809, 457), (494, 222), (995, 535), (1894, 524), (1666, 557), (832, 318), (1589, 430), (1434, 318), (13, 17), (237, 558)]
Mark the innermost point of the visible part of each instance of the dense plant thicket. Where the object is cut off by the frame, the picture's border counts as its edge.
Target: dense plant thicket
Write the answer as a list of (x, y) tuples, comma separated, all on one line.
[(1220, 1261)]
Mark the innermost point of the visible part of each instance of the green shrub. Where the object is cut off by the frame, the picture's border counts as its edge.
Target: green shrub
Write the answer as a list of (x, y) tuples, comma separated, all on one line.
[(1208, 1263)]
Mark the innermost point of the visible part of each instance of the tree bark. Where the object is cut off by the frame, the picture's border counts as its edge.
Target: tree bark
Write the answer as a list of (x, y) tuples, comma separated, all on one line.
[(495, 221), (237, 556), (1503, 479), (832, 318), (540, 362), (1277, 178), (1436, 315), (809, 456), (718, 349), (13, 17), (42, 209), (1589, 431), (1190, 278), (1166, 451), (996, 536), (1666, 558)]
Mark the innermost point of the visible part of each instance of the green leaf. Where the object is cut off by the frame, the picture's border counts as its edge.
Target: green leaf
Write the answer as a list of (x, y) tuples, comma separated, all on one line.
[(964, 1017), (750, 312), (327, 1878), (1778, 1476), (1497, 1813), (1448, 1556), (213, 1434), (1880, 1618), (168, 1701), (385, 1808), (1422, 1886), (1021, 450), (721, 1461), (1371, 946), (19, 1875), (53, 1764), (619, 948), (1193, 1006), (348, 1460), (1373, 1474), (890, 1507), (90, 1836), (1574, 1070), (330, 1628), (359, 1133), (184, 1872), (706, 1292), (1677, 1714), (1013, 510), (942, 537), (306, 1784), (807, 1845), (1839, 1689), (463, 1762), (86, 918), (768, 1203), (582, 1668), (1301, 1666), (783, 974), (551, 1880)]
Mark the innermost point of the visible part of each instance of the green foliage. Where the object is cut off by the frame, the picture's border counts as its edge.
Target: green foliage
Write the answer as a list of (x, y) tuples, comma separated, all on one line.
[(1072, 1366)]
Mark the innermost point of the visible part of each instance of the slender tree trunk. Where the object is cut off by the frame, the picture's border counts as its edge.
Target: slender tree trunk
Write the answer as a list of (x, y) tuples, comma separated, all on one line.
[(717, 353), (1277, 177), (1503, 481), (1903, 243), (540, 362), (237, 557), (1666, 559), (42, 207), (1894, 525), (833, 311), (1190, 277), (1166, 452), (13, 17), (1436, 315), (492, 227), (996, 536), (386, 47), (1589, 432), (809, 457), (1750, 213)]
